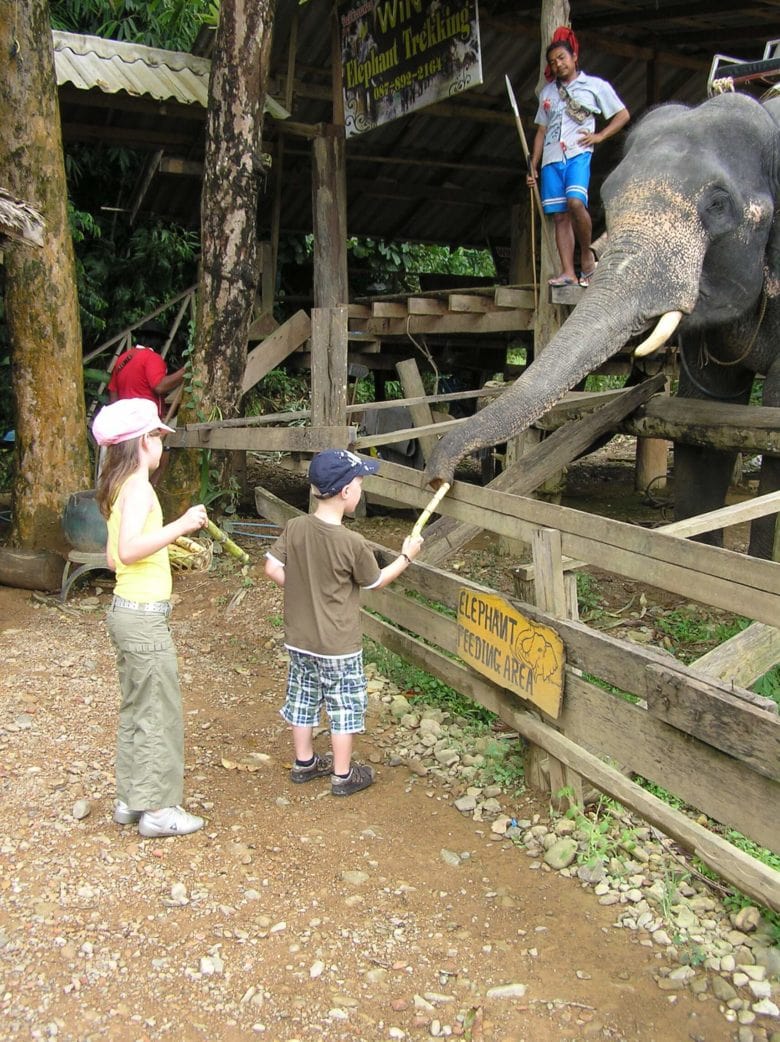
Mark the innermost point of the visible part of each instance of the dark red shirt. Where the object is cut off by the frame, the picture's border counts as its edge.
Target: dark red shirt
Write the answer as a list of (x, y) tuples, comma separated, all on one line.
[(136, 373)]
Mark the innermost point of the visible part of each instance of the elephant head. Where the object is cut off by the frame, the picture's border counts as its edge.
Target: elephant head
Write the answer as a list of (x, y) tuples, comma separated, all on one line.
[(692, 238)]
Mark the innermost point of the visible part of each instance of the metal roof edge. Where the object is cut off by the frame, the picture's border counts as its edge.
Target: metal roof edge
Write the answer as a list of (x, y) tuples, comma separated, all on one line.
[(152, 57)]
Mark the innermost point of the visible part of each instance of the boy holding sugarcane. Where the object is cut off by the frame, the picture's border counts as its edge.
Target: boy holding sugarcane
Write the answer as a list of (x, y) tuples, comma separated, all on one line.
[(322, 567)]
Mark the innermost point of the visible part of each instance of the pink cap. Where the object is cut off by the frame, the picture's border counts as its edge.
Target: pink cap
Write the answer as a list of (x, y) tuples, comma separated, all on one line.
[(128, 418)]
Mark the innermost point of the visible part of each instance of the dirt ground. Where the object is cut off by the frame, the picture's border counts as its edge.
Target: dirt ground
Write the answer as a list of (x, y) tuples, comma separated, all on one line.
[(291, 915)]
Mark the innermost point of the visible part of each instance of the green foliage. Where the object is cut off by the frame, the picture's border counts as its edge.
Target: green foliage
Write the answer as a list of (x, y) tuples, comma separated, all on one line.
[(604, 383), (589, 598), (417, 258), (690, 631), (279, 391), (503, 764), (171, 24), (604, 834), (421, 687), (769, 685)]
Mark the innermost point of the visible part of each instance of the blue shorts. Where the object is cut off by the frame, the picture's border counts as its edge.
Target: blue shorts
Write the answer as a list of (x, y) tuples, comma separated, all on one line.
[(563, 181), (338, 683)]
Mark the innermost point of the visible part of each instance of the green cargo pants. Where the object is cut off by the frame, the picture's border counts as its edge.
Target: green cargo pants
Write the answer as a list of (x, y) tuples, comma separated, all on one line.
[(150, 736)]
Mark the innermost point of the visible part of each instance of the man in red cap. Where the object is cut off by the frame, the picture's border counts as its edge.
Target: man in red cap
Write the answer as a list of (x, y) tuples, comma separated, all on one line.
[(565, 136)]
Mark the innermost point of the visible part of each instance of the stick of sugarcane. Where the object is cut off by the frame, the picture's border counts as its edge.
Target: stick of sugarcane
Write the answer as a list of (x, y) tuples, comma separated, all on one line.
[(422, 520), (221, 537)]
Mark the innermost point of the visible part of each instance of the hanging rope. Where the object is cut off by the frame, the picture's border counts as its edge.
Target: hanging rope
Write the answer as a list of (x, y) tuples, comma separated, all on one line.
[(736, 361)]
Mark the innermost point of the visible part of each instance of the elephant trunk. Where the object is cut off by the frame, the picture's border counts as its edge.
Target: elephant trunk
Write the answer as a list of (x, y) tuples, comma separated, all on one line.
[(598, 328)]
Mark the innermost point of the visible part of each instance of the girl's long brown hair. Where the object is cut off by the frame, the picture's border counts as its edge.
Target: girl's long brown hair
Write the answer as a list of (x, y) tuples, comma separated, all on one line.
[(120, 462)]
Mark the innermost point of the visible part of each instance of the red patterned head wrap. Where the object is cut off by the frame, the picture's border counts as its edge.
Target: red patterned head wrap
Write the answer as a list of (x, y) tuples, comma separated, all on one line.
[(565, 37)]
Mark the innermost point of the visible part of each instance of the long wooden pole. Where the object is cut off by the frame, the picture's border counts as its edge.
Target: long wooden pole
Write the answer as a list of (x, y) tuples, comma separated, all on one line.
[(527, 154)]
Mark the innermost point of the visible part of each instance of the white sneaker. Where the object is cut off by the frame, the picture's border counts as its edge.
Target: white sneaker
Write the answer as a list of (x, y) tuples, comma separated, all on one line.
[(170, 821), (124, 816)]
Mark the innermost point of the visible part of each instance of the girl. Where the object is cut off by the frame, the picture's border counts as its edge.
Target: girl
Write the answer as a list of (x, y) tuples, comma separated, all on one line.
[(150, 738)]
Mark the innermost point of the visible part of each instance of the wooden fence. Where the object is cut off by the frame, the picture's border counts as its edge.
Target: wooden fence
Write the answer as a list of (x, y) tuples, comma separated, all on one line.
[(706, 740)]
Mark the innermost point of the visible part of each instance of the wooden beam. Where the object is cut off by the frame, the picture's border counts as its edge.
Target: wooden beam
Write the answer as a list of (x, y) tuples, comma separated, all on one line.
[(329, 217), (183, 167), (381, 309), (289, 128), (264, 439), (412, 385), (372, 441), (726, 723), (514, 297), (469, 302), (502, 321), (426, 306), (745, 657), (275, 348), (329, 367), (533, 469), (734, 582), (748, 428), (735, 514), (150, 169), (273, 508)]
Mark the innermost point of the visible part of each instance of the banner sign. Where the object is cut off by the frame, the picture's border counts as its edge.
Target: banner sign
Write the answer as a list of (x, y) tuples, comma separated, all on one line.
[(401, 55), (510, 650)]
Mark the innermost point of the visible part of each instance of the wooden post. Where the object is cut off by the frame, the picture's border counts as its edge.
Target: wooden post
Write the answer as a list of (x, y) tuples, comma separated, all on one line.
[(651, 463), (411, 382), (551, 597), (329, 211), (329, 367), (549, 317), (520, 271), (516, 448)]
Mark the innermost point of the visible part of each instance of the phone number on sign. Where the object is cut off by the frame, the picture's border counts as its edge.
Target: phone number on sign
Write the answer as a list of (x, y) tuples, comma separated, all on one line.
[(406, 79)]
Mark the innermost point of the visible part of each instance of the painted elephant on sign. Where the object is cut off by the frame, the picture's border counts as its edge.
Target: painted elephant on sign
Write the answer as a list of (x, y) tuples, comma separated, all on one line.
[(693, 216)]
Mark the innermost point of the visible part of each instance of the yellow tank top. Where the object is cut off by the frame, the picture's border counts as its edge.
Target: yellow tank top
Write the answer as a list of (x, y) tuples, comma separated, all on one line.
[(150, 578)]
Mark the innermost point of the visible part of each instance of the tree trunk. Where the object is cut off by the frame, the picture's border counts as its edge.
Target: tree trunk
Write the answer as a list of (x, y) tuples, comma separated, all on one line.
[(42, 314), (228, 272), (228, 276)]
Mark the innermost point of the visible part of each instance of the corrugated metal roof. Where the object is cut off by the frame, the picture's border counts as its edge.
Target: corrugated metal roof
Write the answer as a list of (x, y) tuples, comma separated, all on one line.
[(111, 66)]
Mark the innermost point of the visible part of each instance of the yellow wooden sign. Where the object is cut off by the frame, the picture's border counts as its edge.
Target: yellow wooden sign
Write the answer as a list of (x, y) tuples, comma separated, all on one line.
[(510, 650)]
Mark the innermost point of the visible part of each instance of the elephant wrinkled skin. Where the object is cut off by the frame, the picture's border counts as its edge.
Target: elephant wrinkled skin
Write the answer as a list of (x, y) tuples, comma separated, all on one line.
[(693, 227)]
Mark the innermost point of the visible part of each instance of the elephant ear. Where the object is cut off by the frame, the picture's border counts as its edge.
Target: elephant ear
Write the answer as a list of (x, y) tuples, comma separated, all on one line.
[(773, 163)]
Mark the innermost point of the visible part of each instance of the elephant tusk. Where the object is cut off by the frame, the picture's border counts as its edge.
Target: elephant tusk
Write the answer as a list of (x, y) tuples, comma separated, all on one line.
[(667, 324)]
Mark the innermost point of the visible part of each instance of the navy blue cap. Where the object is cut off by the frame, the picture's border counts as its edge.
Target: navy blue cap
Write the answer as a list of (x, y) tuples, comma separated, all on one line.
[(330, 471)]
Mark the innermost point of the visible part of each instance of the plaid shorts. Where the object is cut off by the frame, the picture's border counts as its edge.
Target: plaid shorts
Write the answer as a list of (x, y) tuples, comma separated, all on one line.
[(337, 682)]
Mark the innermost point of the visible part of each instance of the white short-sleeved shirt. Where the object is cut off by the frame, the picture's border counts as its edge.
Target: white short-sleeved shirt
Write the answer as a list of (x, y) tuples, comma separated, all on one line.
[(561, 139)]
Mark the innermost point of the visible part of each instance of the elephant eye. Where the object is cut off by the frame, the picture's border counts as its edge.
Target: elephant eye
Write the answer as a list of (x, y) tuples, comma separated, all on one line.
[(716, 209)]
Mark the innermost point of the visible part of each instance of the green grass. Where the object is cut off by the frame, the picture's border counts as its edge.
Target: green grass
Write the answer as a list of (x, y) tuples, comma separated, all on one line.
[(420, 687)]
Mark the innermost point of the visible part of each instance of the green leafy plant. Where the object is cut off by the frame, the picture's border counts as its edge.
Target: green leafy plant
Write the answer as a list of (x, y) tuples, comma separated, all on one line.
[(604, 835), (422, 688)]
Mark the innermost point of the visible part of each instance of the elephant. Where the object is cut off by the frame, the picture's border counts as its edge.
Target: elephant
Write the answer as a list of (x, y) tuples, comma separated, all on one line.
[(693, 238)]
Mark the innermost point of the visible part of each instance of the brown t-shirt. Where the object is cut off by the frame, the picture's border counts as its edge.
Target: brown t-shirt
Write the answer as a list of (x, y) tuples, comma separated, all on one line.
[(325, 567)]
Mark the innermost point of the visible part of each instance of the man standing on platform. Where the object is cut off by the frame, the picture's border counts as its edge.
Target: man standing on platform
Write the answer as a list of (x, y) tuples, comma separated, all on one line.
[(565, 136)]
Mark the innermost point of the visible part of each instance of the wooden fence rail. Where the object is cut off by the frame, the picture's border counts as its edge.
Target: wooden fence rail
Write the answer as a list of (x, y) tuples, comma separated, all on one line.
[(737, 786), (707, 741)]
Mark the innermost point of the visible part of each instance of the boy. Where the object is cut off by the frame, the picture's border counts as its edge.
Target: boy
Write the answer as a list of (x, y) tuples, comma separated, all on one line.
[(322, 566)]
